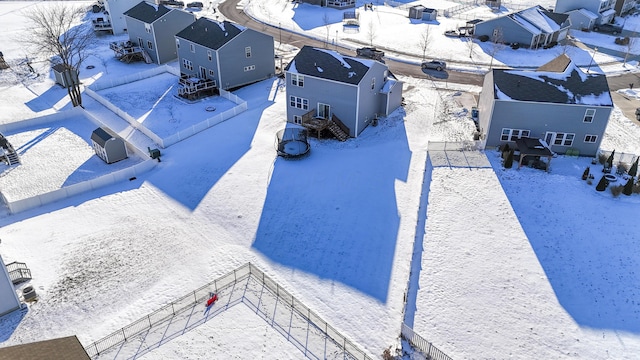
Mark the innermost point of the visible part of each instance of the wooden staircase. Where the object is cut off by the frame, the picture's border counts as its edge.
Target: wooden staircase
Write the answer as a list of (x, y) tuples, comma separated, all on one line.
[(12, 158), (340, 132), (318, 124), (18, 272)]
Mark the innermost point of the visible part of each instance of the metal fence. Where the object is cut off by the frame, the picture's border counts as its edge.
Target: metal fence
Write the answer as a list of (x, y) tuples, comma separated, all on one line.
[(425, 347), (349, 350)]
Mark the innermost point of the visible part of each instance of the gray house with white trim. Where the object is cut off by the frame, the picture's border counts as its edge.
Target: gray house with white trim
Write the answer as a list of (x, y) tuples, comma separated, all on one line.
[(8, 297), (604, 9), (153, 27), (325, 85), (557, 103), (229, 54), (534, 27)]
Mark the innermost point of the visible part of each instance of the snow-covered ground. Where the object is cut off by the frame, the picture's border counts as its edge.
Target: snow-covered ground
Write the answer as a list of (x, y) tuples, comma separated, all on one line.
[(515, 263)]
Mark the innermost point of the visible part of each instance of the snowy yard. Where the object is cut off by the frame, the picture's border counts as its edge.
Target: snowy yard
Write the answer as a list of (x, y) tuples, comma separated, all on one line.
[(511, 263)]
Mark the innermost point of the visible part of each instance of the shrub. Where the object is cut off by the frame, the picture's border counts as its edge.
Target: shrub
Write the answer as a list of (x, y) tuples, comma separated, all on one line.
[(602, 184), (515, 46), (636, 188), (508, 162), (483, 38), (628, 187), (622, 168), (585, 174), (602, 157), (616, 190), (634, 168)]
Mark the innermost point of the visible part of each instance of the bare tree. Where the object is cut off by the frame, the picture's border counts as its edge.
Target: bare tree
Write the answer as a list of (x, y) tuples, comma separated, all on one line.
[(424, 41), (57, 31), (630, 45), (371, 32), (327, 24), (497, 40), (470, 45)]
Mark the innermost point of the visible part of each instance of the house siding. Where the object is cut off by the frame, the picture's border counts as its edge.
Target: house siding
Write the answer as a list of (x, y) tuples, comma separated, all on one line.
[(541, 118), (165, 30), (116, 10), (233, 59), (512, 32), (137, 31), (369, 99), (580, 21), (485, 104)]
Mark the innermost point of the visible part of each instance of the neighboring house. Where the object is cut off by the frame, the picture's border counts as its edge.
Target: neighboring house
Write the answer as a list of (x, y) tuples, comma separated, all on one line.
[(325, 87), (623, 7), (338, 4), (582, 19), (153, 27), (113, 19), (108, 148), (225, 53), (534, 27), (604, 9), (557, 103), (422, 13), (8, 297)]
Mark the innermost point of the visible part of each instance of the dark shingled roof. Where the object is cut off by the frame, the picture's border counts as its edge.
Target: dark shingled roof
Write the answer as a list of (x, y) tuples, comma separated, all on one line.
[(569, 87), (210, 33), (146, 12), (67, 348), (100, 136), (326, 64)]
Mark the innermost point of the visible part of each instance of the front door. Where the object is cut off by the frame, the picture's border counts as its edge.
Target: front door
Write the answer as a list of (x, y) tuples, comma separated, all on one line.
[(203, 73), (324, 111), (550, 138)]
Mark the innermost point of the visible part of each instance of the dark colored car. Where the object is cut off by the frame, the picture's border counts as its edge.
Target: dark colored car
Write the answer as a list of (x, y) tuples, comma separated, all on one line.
[(195, 4), (608, 28)]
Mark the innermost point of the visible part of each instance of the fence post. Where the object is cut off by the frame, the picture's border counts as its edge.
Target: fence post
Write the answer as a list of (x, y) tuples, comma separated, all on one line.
[(149, 319), (124, 335), (96, 346)]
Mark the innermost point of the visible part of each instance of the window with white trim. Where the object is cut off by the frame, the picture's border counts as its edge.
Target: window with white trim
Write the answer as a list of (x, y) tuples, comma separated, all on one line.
[(299, 103), (147, 28), (209, 55), (373, 83), (187, 64), (247, 51), (559, 139), (249, 68), (211, 73), (192, 48), (149, 44), (590, 138), (513, 134), (140, 42), (177, 44), (589, 115), (297, 119), (297, 80)]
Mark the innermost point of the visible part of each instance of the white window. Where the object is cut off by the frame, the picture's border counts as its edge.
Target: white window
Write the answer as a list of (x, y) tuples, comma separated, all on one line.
[(247, 51), (177, 43), (147, 28), (559, 139), (209, 55), (192, 48), (588, 115), (140, 42), (249, 68), (297, 80), (590, 138), (149, 45), (513, 134), (373, 83), (211, 73), (299, 103), (297, 119), (187, 64)]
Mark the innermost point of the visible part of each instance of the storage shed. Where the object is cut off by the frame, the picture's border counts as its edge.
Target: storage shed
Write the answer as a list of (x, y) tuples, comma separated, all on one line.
[(8, 298), (108, 147), (422, 13)]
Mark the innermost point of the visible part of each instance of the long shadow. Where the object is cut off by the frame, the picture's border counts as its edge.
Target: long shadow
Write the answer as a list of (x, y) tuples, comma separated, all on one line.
[(225, 144), (584, 243), (334, 213), (47, 99), (309, 17), (9, 323)]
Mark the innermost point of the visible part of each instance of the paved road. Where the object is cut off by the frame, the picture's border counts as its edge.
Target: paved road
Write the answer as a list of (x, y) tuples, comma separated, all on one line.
[(231, 11)]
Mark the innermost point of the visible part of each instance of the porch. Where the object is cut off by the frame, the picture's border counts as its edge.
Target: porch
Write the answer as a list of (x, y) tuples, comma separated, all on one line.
[(102, 24), (192, 87), (128, 51), (318, 124)]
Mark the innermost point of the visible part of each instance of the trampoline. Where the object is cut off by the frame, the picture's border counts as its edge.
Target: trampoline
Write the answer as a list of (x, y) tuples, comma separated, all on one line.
[(292, 143)]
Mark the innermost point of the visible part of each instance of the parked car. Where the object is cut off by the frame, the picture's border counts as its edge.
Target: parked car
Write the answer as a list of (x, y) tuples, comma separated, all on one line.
[(195, 4), (608, 28), (370, 53), (434, 64)]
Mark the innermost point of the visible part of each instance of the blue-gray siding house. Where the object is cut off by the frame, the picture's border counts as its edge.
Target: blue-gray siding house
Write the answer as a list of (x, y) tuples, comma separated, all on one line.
[(557, 103), (154, 27), (534, 27), (604, 9), (323, 85), (226, 53)]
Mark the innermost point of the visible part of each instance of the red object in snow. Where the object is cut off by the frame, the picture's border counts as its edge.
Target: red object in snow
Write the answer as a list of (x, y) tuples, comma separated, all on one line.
[(212, 300)]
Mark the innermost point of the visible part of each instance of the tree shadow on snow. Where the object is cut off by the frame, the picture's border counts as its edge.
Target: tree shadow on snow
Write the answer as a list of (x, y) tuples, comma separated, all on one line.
[(334, 213)]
